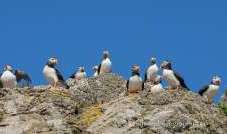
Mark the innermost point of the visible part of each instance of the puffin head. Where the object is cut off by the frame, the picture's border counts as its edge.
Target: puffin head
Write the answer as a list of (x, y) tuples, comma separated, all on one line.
[(81, 69), (216, 80), (166, 65), (135, 69), (153, 60), (52, 61), (95, 68), (106, 54), (8, 68)]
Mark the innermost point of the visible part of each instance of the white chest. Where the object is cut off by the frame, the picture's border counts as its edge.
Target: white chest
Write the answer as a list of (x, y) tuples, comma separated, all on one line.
[(135, 83), (50, 74), (106, 66), (170, 77), (152, 71), (8, 79), (95, 74), (212, 91), (80, 75), (157, 88)]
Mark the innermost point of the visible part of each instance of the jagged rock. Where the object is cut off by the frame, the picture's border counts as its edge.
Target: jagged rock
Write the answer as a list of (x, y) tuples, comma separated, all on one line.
[(164, 112), (100, 105), (41, 110), (95, 90), (36, 111)]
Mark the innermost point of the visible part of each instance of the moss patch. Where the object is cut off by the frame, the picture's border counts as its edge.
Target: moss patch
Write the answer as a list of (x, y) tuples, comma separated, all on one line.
[(59, 93), (90, 115), (223, 107)]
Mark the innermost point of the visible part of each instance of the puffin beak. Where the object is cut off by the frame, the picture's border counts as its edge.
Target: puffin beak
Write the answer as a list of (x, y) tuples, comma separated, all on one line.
[(219, 82)]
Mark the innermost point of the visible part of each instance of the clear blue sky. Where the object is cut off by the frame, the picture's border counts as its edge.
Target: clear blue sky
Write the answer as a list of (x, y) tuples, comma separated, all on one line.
[(192, 34)]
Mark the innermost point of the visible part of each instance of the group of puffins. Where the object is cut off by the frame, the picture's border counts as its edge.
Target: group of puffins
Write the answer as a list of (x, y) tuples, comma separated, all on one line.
[(11, 78)]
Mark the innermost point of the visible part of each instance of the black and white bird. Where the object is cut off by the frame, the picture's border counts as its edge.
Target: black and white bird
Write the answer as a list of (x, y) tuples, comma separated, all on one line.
[(209, 91), (174, 80), (53, 75), (106, 64), (135, 83), (11, 78), (157, 85), (95, 70), (79, 74), (152, 71)]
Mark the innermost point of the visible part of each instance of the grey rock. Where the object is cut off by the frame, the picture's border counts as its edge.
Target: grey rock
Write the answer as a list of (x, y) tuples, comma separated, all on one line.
[(100, 105)]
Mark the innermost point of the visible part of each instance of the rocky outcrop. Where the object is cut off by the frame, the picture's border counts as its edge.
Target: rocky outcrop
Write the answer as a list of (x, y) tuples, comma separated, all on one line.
[(97, 89), (100, 105), (164, 112), (59, 111), (26, 111)]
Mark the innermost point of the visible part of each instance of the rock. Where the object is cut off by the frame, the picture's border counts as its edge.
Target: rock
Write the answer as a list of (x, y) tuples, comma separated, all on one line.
[(164, 112), (100, 105), (99, 89), (33, 111)]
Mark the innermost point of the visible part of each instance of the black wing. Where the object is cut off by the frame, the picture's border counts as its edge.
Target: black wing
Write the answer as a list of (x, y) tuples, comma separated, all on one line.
[(127, 84), (61, 79), (59, 75), (1, 85), (73, 76), (203, 90), (145, 77), (21, 75), (99, 69), (181, 80), (143, 85)]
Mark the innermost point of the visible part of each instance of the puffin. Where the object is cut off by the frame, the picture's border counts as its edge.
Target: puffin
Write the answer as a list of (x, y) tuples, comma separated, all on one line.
[(53, 75), (152, 71), (80, 74), (174, 79), (135, 83), (210, 90), (95, 70), (157, 85), (106, 64), (11, 78)]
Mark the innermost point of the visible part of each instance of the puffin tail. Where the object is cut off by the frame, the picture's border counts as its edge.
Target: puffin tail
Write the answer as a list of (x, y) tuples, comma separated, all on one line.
[(64, 85), (185, 87), (201, 92)]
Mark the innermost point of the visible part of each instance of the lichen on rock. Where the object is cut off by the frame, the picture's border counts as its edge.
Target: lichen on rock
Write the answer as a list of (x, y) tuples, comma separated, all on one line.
[(100, 105)]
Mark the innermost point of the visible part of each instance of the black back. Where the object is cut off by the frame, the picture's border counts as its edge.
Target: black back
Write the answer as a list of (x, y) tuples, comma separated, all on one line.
[(1, 85), (181, 80), (127, 84), (99, 69), (203, 90), (59, 75), (73, 75), (143, 85), (145, 77), (21, 75), (61, 78)]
